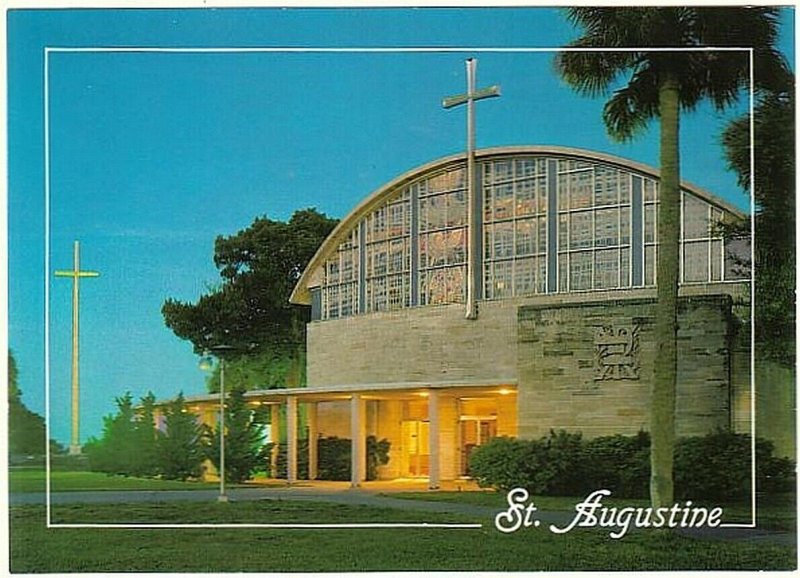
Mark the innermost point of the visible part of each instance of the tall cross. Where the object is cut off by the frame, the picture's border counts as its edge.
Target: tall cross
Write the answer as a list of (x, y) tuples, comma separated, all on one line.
[(473, 209), (76, 274)]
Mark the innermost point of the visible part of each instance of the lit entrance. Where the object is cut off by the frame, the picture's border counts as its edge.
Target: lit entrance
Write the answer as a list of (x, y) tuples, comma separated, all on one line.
[(475, 431), (416, 451)]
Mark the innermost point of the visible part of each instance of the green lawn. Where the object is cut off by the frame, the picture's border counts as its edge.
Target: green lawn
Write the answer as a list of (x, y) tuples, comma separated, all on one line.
[(33, 480), (776, 513), (34, 548)]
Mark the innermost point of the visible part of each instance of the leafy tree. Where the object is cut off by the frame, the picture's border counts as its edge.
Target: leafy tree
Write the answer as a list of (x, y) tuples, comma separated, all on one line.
[(250, 311), (13, 377), (659, 85), (261, 370), (26, 429), (181, 448), (774, 155), (244, 439)]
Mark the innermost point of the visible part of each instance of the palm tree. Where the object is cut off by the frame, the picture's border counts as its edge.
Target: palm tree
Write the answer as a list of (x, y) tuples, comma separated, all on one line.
[(661, 82), (774, 140)]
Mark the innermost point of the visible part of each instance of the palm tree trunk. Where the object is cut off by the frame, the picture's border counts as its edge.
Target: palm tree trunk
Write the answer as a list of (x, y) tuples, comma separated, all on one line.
[(662, 402)]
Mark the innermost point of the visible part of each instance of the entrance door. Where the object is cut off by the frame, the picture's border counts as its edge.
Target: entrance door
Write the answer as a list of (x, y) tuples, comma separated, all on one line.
[(416, 448), (475, 431)]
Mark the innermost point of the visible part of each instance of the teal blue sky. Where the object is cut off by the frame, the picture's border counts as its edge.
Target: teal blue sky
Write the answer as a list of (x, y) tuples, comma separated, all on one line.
[(154, 154)]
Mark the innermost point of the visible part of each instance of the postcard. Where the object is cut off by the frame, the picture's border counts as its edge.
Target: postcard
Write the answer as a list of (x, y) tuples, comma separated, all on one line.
[(466, 289)]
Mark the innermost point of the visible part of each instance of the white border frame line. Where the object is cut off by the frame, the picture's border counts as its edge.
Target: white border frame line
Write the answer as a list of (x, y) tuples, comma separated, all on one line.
[(367, 50), (273, 526), (46, 126), (353, 50), (752, 130)]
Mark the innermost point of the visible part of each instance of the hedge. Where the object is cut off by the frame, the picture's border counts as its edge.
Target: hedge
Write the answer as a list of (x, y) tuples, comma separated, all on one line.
[(713, 467)]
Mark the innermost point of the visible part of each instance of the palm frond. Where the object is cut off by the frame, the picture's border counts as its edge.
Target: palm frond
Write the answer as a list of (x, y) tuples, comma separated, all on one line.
[(717, 75), (747, 27), (628, 111), (592, 72), (612, 26)]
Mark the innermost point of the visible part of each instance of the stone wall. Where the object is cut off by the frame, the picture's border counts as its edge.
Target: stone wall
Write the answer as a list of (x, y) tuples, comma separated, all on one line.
[(424, 344), (556, 390), (437, 344), (588, 366)]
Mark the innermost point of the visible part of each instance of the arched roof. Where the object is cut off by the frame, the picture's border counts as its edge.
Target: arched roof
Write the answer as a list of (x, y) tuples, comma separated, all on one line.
[(300, 295)]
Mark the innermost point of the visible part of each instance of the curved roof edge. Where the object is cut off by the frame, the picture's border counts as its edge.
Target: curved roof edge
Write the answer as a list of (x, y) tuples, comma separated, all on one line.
[(300, 294)]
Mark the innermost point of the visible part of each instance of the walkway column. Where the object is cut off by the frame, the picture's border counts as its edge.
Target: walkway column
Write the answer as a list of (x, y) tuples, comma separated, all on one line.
[(358, 436), (275, 436), (313, 434), (291, 439), (433, 439)]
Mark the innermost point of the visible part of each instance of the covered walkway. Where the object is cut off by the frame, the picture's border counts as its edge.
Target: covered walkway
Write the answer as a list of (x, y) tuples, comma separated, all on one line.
[(432, 428)]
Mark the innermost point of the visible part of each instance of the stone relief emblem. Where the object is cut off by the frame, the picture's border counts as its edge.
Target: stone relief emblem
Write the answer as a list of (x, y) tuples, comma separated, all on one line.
[(616, 352)]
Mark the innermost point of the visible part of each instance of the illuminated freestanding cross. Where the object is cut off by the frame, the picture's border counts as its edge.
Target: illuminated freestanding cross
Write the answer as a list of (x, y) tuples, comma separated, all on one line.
[(473, 208), (76, 274)]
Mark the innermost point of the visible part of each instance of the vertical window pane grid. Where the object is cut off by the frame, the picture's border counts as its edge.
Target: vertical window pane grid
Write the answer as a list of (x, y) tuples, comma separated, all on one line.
[(340, 284), (443, 213), (515, 227), (594, 227), (388, 255), (702, 256), (650, 228)]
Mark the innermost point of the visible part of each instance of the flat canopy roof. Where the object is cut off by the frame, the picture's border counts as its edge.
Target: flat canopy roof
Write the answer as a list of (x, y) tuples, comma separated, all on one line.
[(334, 392)]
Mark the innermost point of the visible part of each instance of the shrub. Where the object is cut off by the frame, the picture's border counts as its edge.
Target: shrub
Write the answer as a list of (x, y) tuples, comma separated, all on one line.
[(505, 463), (564, 472), (714, 467), (550, 465), (717, 467), (377, 455), (334, 458), (620, 464)]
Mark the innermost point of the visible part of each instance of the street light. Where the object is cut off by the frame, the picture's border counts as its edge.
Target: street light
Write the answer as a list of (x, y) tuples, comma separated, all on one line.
[(207, 364)]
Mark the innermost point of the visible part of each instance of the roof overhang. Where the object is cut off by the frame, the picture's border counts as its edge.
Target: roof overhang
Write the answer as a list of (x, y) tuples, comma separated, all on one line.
[(341, 392)]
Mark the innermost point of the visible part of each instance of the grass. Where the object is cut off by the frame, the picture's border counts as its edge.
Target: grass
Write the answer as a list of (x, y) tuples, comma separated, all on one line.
[(33, 480), (35, 548), (773, 513)]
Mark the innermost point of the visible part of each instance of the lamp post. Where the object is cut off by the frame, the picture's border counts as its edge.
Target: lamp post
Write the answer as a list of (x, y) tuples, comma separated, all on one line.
[(206, 364)]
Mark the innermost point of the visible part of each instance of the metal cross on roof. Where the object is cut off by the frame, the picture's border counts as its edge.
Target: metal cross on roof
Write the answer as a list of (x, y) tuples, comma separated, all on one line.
[(473, 209)]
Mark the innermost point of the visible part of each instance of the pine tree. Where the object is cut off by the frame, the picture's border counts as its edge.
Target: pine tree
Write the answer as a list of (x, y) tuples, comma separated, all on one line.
[(244, 439), (146, 439), (115, 452), (181, 447)]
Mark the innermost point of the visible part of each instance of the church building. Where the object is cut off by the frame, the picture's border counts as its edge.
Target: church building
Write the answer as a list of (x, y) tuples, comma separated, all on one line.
[(441, 319)]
